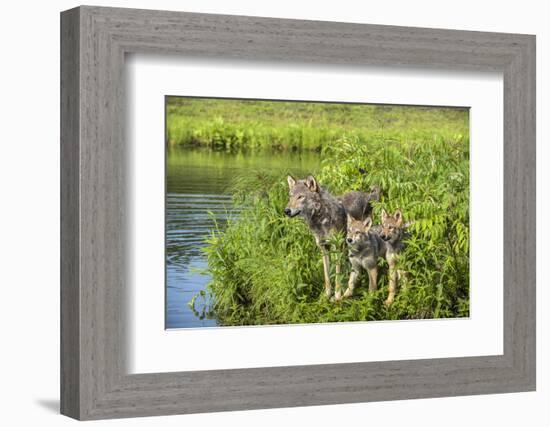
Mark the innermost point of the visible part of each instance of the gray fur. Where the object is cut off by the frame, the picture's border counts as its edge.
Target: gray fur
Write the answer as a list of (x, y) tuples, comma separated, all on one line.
[(367, 243), (392, 230), (324, 215), (357, 203), (365, 247)]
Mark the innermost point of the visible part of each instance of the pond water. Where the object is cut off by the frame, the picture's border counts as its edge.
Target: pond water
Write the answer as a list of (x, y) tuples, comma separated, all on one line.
[(198, 182)]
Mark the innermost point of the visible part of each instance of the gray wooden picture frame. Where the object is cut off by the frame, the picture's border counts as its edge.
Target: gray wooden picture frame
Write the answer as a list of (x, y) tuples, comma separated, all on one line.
[(94, 382)]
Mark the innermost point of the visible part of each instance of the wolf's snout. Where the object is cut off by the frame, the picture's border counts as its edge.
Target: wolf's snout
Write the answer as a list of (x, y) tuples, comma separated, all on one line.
[(287, 211), (349, 240)]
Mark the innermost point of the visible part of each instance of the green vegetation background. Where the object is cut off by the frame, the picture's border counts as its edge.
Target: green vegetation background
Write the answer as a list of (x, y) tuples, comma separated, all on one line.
[(266, 268)]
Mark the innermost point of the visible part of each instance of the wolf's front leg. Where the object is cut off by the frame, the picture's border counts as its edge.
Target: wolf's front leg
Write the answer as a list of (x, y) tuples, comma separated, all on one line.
[(402, 279), (326, 270), (373, 277), (338, 285), (392, 285), (351, 283)]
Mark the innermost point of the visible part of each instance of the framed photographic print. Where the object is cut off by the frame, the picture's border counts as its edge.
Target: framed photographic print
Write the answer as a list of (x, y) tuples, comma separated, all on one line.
[(276, 213), (237, 170)]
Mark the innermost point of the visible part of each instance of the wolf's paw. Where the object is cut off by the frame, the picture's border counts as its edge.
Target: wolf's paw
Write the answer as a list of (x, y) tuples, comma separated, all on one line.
[(328, 293), (388, 301)]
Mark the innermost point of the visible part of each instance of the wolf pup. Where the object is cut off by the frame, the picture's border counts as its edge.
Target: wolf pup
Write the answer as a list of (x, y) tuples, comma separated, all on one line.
[(391, 231), (325, 217), (367, 243), (365, 247)]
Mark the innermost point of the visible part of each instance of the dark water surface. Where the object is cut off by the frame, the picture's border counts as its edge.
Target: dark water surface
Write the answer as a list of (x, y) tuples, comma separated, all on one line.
[(199, 182)]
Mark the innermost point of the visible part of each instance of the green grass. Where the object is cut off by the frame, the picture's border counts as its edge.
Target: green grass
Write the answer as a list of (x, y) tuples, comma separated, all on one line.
[(266, 268), (235, 125)]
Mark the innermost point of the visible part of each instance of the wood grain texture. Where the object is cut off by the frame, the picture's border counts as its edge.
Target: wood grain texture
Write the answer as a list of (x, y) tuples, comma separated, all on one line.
[(94, 231), (70, 263)]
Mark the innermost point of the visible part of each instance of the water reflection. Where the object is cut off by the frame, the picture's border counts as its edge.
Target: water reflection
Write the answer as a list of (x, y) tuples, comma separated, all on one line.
[(198, 186)]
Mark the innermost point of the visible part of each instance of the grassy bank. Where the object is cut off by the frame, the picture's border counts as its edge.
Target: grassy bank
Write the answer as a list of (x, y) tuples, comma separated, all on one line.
[(266, 268), (236, 124)]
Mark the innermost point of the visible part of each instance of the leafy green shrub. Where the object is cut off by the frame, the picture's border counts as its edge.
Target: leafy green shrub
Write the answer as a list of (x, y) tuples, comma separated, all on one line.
[(266, 268)]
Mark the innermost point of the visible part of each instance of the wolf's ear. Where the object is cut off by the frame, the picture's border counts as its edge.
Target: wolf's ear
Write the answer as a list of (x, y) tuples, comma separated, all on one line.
[(398, 217), (350, 218), (311, 183), (384, 215), (291, 181), (367, 223)]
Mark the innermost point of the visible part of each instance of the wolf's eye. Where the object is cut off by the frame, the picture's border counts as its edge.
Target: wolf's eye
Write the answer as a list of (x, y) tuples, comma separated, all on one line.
[(300, 197)]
